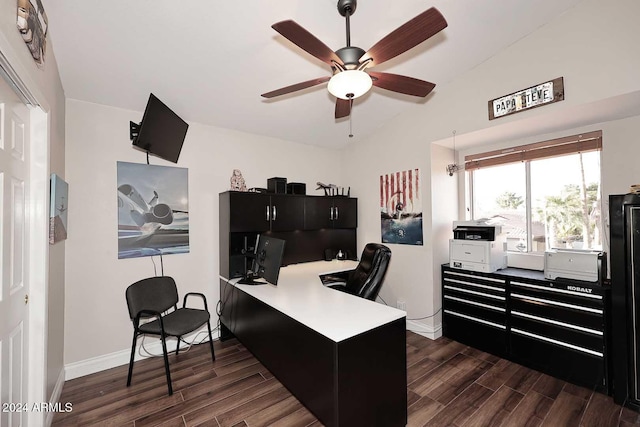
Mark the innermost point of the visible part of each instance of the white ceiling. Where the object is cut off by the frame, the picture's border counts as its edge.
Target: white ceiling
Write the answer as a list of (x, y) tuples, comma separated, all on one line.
[(210, 60)]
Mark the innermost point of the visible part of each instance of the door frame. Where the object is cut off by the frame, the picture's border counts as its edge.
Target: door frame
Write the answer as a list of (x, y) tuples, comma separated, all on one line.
[(38, 224)]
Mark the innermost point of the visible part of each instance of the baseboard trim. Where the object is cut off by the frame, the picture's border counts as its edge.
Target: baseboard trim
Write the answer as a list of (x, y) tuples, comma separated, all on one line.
[(55, 396), (118, 358), (426, 331)]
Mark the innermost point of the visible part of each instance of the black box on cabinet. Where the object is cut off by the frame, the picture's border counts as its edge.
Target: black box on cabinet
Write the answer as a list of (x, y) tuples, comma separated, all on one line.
[(277, 185), (297, 188)]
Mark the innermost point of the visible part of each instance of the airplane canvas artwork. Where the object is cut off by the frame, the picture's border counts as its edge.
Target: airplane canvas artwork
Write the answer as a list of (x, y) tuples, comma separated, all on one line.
[(153, 210), (401, 207), (58, 209)]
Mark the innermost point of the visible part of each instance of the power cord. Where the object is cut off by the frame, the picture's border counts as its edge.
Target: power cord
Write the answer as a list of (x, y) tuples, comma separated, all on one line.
[(427, 317), (416, 318), (155, 272), (195, 341)]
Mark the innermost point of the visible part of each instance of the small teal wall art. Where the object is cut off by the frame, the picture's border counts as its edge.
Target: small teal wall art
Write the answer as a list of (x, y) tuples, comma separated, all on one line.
[(58, 210)]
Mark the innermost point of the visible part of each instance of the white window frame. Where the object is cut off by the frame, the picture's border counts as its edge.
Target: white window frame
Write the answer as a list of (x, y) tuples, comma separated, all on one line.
[(494, 157)]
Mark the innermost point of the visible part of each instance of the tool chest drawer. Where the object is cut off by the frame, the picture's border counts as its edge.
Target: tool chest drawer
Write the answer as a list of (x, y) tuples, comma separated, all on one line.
[(474, 309)]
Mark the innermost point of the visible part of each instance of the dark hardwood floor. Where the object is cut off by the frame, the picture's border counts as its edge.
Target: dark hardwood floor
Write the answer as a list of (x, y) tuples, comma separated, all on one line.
[(449, 384)]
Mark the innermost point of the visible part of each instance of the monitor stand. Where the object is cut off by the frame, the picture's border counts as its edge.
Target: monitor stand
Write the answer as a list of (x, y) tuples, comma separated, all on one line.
[(250, 279)]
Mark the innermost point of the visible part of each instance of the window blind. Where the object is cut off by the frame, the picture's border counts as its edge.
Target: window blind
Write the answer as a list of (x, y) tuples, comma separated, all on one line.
[(591, 141)]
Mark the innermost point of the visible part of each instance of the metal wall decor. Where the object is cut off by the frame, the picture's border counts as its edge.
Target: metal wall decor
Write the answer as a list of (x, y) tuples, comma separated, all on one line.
[(526, 99), (33, 25)]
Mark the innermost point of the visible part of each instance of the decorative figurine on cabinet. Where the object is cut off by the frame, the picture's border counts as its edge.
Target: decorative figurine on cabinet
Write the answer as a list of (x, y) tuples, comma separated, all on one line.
[(237, 181)]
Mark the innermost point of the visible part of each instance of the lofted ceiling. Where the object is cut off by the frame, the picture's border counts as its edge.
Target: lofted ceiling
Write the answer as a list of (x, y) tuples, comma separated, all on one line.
[(210, 60)]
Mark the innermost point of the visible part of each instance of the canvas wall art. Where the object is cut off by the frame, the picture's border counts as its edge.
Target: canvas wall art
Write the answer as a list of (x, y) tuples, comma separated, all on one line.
[(153, 210), (59, 203), (401, 207)]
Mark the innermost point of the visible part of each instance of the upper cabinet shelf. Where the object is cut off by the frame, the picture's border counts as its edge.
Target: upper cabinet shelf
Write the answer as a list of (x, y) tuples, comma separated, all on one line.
[(258, 212)]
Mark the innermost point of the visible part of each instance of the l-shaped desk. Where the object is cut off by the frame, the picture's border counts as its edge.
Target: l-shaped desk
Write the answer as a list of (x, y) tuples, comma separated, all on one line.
[(342, 356)]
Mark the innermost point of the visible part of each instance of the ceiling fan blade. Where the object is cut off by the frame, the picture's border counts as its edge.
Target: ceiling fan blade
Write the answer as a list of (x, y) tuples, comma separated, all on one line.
[(401, 84), (343, 108), (407, 36), (296, 87), (306, 41)]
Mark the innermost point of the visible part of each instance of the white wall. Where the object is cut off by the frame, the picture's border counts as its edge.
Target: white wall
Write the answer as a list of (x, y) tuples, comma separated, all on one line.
[(45, 84), (97, 322), (593, 46)]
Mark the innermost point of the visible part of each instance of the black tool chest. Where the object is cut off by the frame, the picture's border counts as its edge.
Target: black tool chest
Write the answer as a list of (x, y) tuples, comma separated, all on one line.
[(554, 326)]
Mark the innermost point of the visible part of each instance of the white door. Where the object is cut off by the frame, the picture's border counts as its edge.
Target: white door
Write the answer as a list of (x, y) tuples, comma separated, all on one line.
[(14, 252)]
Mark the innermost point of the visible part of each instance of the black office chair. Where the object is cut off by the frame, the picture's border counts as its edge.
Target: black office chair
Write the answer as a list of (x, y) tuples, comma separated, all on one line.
[(366, 280), (152, 297)]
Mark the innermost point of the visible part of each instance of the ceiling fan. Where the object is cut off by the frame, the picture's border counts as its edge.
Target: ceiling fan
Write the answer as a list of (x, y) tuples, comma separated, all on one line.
[(349, 79)]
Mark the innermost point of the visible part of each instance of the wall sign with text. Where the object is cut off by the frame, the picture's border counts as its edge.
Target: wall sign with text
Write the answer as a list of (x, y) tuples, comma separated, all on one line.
[(535, 96)]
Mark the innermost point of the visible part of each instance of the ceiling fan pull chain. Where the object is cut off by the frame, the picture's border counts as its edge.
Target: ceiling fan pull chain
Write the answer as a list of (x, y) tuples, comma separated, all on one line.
[(351, 119)]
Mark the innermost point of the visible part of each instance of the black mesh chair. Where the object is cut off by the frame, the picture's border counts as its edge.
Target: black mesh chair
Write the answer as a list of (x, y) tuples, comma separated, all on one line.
[(366, 280), (157, 297)]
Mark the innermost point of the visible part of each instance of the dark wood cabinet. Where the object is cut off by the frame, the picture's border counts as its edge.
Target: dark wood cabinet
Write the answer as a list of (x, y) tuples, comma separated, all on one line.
[(255, 212), (287, 212), (345, 212), (330, 212), (555, 326), (243, 216), (249, 211)]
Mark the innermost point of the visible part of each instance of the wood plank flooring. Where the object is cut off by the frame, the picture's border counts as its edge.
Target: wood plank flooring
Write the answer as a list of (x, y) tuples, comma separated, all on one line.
[(449, 384)]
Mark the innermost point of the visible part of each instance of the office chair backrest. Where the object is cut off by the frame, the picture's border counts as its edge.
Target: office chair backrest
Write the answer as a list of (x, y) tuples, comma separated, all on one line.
[(366, 280), (154, 293)]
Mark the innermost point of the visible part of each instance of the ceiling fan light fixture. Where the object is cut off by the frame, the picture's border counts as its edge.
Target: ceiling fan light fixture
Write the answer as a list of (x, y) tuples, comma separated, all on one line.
[(349, 84)]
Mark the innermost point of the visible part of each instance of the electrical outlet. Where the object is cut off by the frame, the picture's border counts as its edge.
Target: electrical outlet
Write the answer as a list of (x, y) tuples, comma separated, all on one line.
[(401, 304)]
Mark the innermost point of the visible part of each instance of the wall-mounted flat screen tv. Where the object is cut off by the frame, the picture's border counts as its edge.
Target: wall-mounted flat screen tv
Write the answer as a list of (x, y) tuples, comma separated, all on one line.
[(161, 131)]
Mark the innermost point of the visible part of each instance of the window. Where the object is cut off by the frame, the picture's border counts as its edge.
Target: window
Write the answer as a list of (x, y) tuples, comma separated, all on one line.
[(546, 195)]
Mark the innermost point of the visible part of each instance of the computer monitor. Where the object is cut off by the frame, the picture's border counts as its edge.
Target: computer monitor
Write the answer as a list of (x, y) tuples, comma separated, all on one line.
[(267, 259)]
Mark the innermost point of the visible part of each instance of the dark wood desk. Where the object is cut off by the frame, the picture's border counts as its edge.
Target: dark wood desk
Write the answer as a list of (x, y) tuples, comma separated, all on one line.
[(342, 356)]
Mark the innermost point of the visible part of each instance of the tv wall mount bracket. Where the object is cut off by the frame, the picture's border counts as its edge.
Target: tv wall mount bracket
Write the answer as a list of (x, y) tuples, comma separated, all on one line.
[(134, 130)]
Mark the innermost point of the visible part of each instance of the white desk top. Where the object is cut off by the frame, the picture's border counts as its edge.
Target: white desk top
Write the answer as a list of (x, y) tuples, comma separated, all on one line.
[(301, 295)]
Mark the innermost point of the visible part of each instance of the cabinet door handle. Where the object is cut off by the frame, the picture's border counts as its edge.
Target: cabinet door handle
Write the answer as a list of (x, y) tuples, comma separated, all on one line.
[(274, 213), (331, 213), (336, 213), (268, 213)]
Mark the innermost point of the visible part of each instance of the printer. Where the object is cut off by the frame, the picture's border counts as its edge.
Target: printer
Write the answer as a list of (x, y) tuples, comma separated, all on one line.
[(478, 246), (576, 264)]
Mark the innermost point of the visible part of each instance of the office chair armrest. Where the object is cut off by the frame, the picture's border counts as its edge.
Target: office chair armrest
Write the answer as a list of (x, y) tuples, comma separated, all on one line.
[(198, 294), (148, 313)]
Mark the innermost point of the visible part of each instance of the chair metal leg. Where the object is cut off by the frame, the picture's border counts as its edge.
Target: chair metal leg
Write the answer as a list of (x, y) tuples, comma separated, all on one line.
[(166, 364), (133, 352), (178, 346), (213, 355)]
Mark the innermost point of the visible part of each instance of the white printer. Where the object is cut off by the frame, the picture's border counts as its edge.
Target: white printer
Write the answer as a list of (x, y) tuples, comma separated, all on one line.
[(478, 246), (576, 264)]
